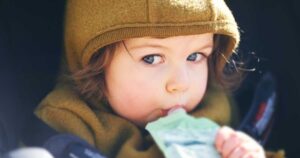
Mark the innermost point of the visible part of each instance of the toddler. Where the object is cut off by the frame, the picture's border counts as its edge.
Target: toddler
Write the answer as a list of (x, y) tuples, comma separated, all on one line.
[(132, 61)]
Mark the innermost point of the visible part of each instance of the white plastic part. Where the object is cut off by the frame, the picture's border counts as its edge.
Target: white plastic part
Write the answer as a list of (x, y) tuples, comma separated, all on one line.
[(31, 152)]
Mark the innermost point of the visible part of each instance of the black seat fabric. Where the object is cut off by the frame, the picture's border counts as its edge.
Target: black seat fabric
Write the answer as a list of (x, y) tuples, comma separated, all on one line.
[(30, 47), (9, 122), (270, 28)]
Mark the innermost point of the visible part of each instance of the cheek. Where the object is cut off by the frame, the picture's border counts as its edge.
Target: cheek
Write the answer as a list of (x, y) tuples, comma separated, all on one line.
[(130, 96), (201, 87), (200, 80), (198, 86)]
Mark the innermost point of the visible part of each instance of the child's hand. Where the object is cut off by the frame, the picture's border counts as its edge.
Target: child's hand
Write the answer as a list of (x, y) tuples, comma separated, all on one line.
[(234, 144)]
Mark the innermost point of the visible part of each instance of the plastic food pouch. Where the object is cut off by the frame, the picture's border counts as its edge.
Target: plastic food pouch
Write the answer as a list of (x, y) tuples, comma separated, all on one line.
[(180, 135)]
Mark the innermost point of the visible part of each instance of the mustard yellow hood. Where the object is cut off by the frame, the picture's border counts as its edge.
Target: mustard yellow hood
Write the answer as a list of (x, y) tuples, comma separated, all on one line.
[(92, 24)]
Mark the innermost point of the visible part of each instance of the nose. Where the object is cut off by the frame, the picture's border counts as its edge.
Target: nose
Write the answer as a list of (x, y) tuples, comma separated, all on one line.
[(178, 80)]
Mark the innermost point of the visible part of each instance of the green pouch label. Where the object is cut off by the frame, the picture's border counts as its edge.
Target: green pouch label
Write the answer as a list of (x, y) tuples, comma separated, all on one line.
[(180, 135)]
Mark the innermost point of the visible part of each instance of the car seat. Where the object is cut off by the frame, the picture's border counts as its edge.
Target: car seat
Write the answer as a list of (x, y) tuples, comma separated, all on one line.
[(271, 30), (30, 47)]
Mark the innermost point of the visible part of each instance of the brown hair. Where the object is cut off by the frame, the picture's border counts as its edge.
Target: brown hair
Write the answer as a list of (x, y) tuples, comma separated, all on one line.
[(222, 66), (91, 82)]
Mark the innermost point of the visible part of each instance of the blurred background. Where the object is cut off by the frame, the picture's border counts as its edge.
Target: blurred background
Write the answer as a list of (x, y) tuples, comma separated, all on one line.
[(30, 47), (31, 43)]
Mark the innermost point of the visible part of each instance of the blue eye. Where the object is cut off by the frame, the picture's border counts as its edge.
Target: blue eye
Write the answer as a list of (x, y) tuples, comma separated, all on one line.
[(195, 57), (152, 59)]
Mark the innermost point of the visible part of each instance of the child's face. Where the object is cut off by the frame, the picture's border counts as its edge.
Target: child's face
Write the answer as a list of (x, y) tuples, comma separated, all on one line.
[(155, 75)]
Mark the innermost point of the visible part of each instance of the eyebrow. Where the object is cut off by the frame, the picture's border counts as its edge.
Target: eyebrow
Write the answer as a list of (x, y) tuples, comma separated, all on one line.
[(146, 45), (160, 46), (207, 46)]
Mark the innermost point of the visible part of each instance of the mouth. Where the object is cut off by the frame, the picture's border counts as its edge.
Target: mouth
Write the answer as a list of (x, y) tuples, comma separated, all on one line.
[(165, 112)]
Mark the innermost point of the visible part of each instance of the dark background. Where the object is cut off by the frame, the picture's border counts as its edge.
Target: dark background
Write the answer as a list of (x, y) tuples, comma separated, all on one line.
[(271, 29), (31, 44), (30, 47)]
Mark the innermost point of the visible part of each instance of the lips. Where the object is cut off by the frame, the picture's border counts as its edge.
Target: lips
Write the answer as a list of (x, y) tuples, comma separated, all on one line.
[(164, 112), (154, 115), (170, 110)]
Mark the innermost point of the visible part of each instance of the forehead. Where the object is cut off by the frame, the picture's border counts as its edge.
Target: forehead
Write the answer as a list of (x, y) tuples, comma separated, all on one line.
[(201, 39)]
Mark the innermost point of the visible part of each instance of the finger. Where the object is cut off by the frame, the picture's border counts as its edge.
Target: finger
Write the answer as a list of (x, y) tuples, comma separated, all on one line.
[(250, 155), (254, 155), (222, 135), (245, 149), (245, 137), (232, 143), (253, 145), (236, 153), (255, 151)]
